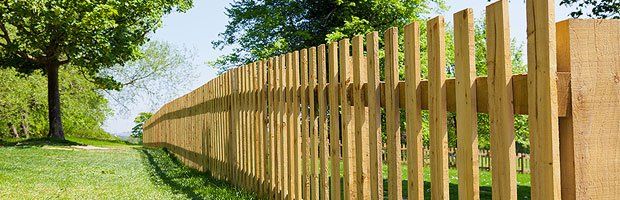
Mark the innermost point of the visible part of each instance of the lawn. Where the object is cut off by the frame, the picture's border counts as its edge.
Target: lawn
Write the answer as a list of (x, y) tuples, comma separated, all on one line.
[(523, 183), (38, 169), (98, 169)]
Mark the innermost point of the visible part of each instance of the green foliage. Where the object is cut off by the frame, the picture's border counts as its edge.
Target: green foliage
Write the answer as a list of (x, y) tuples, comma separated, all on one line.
[(260, 29), (88, 35), (136, 131), (92, 35), (23, 102), (602, 9)]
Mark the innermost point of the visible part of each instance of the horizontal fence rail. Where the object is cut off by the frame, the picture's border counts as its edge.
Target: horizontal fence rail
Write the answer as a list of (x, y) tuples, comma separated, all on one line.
[(308, 124)]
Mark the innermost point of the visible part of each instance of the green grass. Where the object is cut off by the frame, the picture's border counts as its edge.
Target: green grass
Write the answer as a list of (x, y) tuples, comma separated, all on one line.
[(40, 169), (523, 183)]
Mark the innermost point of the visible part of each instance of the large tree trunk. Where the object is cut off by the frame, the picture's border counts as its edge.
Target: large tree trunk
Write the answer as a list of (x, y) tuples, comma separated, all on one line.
[(53, 100)]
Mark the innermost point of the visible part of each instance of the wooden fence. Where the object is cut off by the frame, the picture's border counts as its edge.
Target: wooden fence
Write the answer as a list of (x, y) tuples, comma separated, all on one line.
[(275, 126)]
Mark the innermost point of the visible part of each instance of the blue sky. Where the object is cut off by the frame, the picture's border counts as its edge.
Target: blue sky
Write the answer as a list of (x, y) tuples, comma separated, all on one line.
[(199, 26)]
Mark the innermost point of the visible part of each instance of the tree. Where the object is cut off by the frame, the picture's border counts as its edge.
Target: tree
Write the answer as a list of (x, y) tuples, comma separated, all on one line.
[(602, 9), (158, 75), (136, 131), (90, 35), (23, 104), (260, 29)]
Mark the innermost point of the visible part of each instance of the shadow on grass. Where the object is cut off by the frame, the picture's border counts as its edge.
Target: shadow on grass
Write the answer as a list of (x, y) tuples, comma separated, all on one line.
[(163, 167), (37, 142), (523, 192)]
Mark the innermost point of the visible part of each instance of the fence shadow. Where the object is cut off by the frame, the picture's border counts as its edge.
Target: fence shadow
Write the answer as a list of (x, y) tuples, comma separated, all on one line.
[(166, 168), (523, 192)]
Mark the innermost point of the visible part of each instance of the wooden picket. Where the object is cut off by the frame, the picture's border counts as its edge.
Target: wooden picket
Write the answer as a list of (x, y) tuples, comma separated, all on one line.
[(308, 124), (334, 121), (415, 171), (501, 113), (467, 119)]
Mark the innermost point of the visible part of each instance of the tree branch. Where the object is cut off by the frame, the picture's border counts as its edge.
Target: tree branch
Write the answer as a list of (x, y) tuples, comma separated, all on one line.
[(63, 62), (5, 33)]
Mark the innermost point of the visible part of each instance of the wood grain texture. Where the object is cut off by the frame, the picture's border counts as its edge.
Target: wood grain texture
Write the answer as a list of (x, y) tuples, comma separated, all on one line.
[(362, 145), (373, 97), (392, 115), (415, 159), (290, 176), (323, 123), (501, 113), (437, 108), (296, 134), (347, 123), (543, 100), (334, 121), (305, 128), (283, 131), (313, 122), (271, 173), (589, 138), (466, 111)]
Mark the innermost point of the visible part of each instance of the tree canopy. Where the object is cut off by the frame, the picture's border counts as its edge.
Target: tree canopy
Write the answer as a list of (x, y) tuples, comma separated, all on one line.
[(90, 35), (260, 29), (603, 9)]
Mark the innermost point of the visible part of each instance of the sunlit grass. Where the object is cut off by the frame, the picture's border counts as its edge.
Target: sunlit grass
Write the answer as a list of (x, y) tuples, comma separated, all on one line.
[(39, 169)]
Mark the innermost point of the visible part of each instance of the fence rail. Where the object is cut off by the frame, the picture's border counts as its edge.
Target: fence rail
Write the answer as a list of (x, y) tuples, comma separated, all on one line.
[(307, 124)]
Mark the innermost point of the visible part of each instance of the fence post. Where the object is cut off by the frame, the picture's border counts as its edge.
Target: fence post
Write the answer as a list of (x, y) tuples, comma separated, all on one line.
[(590, 132)]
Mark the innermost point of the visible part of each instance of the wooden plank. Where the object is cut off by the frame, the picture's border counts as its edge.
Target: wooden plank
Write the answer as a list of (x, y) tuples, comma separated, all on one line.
[(261, 122), (361, 115), (290, 133), (279, 141), (392, 114), (234, 124), (346, 124), (374, 117), (305, 132), (239, 130), (437, 108), (284, 128), (253, 127), (334, 121), (323, 123), (312, 121), (501, 114), (589, 50), (256, 123), (466, 113), (244, 131), (295, 125), (415, 158), (271, 172), (305, 127), (543, 100)]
